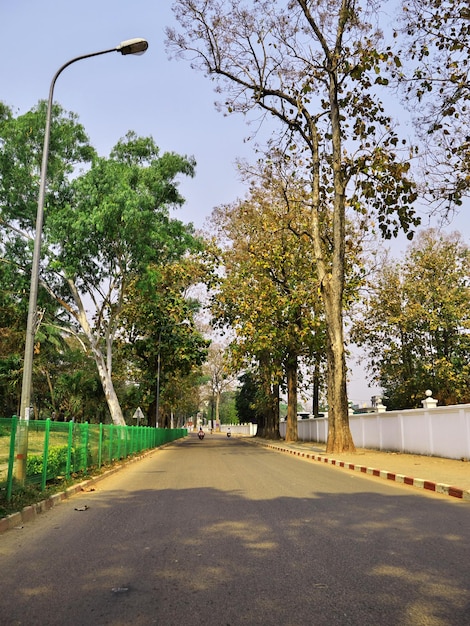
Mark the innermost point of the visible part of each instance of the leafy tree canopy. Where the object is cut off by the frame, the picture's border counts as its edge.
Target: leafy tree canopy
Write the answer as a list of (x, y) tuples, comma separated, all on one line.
[(415, 325), (318, 69), (106, 222)]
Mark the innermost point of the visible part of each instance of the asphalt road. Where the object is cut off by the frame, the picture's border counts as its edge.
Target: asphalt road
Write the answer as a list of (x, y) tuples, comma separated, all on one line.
[(222, 532)]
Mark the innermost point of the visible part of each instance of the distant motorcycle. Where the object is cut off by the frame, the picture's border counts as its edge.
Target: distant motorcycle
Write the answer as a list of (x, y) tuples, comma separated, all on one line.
[(201, 434), (229, 434)]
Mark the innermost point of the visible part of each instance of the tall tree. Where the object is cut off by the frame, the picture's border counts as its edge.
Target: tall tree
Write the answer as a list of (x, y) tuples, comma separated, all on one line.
[(102, 227), (219, 379), (21, 141), (227, 408), (161, 347), (245, 398), (416, 323), (269, 294), (314, 67), (115, 227)]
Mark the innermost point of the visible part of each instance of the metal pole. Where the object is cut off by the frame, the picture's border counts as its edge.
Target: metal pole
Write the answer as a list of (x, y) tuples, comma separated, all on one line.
[(158, 388), (157, 400), (23, 422)]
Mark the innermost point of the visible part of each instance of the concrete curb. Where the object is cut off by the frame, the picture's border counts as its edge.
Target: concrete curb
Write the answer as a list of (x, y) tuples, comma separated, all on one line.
[(420, 483)]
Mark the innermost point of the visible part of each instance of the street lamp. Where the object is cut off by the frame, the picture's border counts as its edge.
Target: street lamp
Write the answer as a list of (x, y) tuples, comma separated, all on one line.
[(131, 46)]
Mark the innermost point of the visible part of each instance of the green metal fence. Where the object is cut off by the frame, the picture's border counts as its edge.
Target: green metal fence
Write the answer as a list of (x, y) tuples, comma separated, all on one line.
[(58, 449)]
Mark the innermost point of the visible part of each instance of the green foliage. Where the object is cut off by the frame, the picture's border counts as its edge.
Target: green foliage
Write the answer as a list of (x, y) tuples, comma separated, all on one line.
[(319, 69), (34, 465), (245, 398), (78, 393), (10, 379), (56, 462), (27, 495), (159, 334), (415, 325), (116, 222), (227, 408), (107, 227), (269, 293), (21, 139)]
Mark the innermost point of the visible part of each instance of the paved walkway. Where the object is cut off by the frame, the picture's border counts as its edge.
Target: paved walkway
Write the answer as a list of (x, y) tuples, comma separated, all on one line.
[(447, 476)]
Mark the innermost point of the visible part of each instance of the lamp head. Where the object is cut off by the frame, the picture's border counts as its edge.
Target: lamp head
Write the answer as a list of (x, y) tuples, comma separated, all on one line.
[(133, 46)]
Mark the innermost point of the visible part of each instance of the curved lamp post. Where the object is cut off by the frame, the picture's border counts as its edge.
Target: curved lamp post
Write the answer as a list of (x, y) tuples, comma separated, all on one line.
[(130, 46)]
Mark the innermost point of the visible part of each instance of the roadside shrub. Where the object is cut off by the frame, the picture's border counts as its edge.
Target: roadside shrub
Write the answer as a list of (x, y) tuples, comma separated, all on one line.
[(56, 462)]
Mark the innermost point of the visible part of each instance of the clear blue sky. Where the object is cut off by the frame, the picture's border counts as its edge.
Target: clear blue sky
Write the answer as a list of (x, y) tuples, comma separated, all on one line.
[(113, 94), (148, 94)]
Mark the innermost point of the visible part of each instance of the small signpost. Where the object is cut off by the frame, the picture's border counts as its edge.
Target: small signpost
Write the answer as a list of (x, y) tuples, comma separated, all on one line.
[(138, 415)]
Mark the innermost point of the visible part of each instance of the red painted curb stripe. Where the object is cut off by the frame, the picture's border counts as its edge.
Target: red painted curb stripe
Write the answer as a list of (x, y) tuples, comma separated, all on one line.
[(407, 480)]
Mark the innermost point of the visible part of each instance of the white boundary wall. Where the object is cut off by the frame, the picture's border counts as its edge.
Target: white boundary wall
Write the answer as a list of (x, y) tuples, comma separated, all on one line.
[(442, 431), (240, 429)]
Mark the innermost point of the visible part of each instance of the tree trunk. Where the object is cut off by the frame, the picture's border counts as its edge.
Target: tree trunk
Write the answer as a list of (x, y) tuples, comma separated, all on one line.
[(268, 420), (51, 389), (108, 388), (103, 365), (271, 416), (263, 406), (164, 420), (152, 414), (316, 389), (339, 434), (291, 373), (212, 412), (272, 425), (331, 273), (217, 418), (260, 428)]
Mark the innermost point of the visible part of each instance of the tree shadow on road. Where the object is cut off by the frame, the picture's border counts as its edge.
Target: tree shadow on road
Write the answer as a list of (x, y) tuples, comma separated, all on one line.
[(213, 557)]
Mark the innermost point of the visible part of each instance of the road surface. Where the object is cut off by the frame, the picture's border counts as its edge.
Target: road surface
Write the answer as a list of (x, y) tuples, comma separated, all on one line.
[(223, 532)]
